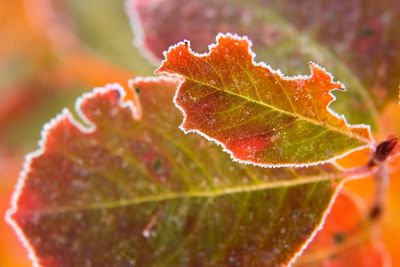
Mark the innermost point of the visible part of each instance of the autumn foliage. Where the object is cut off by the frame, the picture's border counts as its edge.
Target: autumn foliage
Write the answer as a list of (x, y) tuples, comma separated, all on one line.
[(234, 154)]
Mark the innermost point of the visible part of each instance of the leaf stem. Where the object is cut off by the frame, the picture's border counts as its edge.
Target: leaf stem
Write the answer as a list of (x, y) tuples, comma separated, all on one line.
[(359, 172), (377, 167), (378, 161), (381, 178)]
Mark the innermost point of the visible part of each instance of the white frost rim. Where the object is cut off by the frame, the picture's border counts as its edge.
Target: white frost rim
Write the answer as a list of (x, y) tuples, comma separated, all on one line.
[(278, 72), (65, 114)]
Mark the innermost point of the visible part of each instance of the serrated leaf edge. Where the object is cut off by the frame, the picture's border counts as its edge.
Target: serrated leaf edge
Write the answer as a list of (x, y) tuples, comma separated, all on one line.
[(66, 114), (371, 144)]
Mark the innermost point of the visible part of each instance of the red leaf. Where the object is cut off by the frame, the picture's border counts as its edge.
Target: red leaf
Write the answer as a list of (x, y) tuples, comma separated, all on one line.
[(139, 192), (255, 112)]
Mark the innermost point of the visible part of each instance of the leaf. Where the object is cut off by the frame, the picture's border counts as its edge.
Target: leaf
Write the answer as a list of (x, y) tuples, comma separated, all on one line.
[(130, 192), (106, 31), (254, 112), (347, 239), (358, 41)]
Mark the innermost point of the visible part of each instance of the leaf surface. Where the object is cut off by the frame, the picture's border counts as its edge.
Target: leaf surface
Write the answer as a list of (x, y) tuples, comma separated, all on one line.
[(257, 114), (130, 192)]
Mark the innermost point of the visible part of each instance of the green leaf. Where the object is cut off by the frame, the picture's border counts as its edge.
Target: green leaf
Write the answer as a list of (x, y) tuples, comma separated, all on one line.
[(258, 115), (133, 190), (105, 30)]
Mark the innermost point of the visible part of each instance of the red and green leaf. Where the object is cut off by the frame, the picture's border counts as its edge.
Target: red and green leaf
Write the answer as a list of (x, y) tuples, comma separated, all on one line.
[(257, 114), (358, 41), (127, 192)]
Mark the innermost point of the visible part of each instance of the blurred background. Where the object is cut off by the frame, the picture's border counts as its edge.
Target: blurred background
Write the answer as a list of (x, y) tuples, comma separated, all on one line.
[(51, 51)]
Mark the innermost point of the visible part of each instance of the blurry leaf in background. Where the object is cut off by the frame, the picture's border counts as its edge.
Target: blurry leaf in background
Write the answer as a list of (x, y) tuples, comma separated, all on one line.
[(364, 189), (357, 41), (389, 122), (103, 27), (144, 193), (347, 239)]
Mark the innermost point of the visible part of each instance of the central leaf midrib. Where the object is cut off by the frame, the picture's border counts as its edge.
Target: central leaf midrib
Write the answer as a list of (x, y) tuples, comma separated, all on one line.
[(194, 194), (296, 115)]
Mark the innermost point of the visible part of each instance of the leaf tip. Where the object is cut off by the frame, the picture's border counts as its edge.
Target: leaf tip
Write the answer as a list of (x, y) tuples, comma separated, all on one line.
[(181, 53), (320, 73), (237, 40), (180, 50)]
